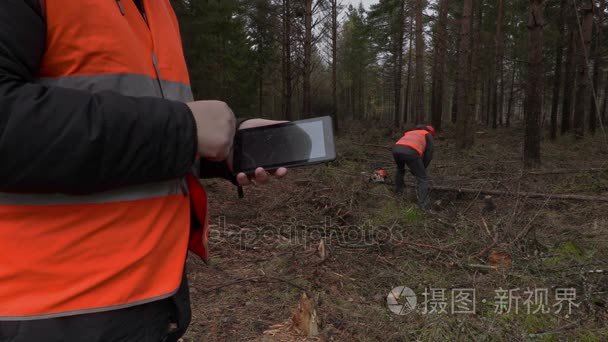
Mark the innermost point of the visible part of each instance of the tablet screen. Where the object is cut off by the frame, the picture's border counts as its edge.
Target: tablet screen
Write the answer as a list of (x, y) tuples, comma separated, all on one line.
[(282, 145)]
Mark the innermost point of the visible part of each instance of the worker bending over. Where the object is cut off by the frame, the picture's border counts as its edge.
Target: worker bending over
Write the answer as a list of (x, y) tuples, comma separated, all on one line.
[(415, 149)]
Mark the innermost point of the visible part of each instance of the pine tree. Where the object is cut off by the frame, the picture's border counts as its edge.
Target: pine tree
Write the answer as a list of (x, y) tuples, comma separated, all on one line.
[(440, 46), (465, 80), (582, 76), (533, 106)]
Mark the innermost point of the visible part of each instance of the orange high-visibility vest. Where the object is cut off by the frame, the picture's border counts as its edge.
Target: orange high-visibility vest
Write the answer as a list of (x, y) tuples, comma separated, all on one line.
[(414, 139), (64, 255)]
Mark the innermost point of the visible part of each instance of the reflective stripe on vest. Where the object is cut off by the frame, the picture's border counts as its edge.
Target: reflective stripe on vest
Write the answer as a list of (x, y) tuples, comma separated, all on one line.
[(415, 140), (126, 84), (132, 193), (70, 254)]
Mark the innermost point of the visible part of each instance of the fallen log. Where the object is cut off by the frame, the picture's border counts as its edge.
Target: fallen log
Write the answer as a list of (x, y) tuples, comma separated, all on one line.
[(372, 145), (521, 194), (566, 171)]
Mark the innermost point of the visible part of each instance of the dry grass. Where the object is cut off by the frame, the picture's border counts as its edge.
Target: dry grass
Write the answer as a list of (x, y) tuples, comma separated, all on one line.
[(264, 246)]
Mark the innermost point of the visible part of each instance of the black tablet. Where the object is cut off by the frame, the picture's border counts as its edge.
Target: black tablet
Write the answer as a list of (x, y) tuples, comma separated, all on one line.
[(289, 144)]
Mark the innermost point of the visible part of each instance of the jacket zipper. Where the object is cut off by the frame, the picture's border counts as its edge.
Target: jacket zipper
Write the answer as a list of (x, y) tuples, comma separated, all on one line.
[(121, 7), (154, 58), (157, 70)]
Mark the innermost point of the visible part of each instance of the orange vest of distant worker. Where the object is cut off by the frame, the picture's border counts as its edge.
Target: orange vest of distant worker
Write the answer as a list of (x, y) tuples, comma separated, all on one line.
[(65, 254), (414, 139)]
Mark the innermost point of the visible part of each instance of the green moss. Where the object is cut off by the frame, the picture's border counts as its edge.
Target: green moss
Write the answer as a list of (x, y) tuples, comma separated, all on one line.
[(588, 337), (592, 336), (582, 182), (536, 323), (546, 338), (568, 252), (412, 215), (434, 330), (397, 212)]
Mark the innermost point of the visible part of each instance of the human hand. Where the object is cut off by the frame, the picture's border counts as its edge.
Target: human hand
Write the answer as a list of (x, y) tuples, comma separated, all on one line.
[(216, 125)]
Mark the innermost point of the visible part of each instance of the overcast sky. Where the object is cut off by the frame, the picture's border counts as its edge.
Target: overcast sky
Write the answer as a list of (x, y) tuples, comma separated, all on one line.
[(366, 3)]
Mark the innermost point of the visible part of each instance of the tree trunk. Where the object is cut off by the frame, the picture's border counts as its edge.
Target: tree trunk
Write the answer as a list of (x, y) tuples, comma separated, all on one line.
[(398, 53), (455, 98), (351, 102), (287, 91), (485, 86), (498, 42), (557, 73), (439, 65), (465, 79), (490, 114), (475, 60), (307, 63), (604, 103), (334, 62), (570, 74), (420, 110), (406, 105), (597, 69), (582, 74), (488, 102), (501, 95), (510, 106), (533, 106), (547, 196), (455, 73)]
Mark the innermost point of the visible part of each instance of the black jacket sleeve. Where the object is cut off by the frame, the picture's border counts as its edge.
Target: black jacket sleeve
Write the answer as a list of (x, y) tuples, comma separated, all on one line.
[(428, 153), (62, 140)]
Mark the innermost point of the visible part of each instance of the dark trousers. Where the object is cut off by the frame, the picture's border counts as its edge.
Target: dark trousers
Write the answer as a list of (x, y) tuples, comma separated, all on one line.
[(150, 322), (406, 156)]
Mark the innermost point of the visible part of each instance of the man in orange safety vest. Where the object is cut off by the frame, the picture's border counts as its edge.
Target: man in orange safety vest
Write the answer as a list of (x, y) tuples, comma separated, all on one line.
[(415, 149)]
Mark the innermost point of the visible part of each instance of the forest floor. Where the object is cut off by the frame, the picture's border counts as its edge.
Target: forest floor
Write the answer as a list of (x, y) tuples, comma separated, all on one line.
[(265, 247)]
